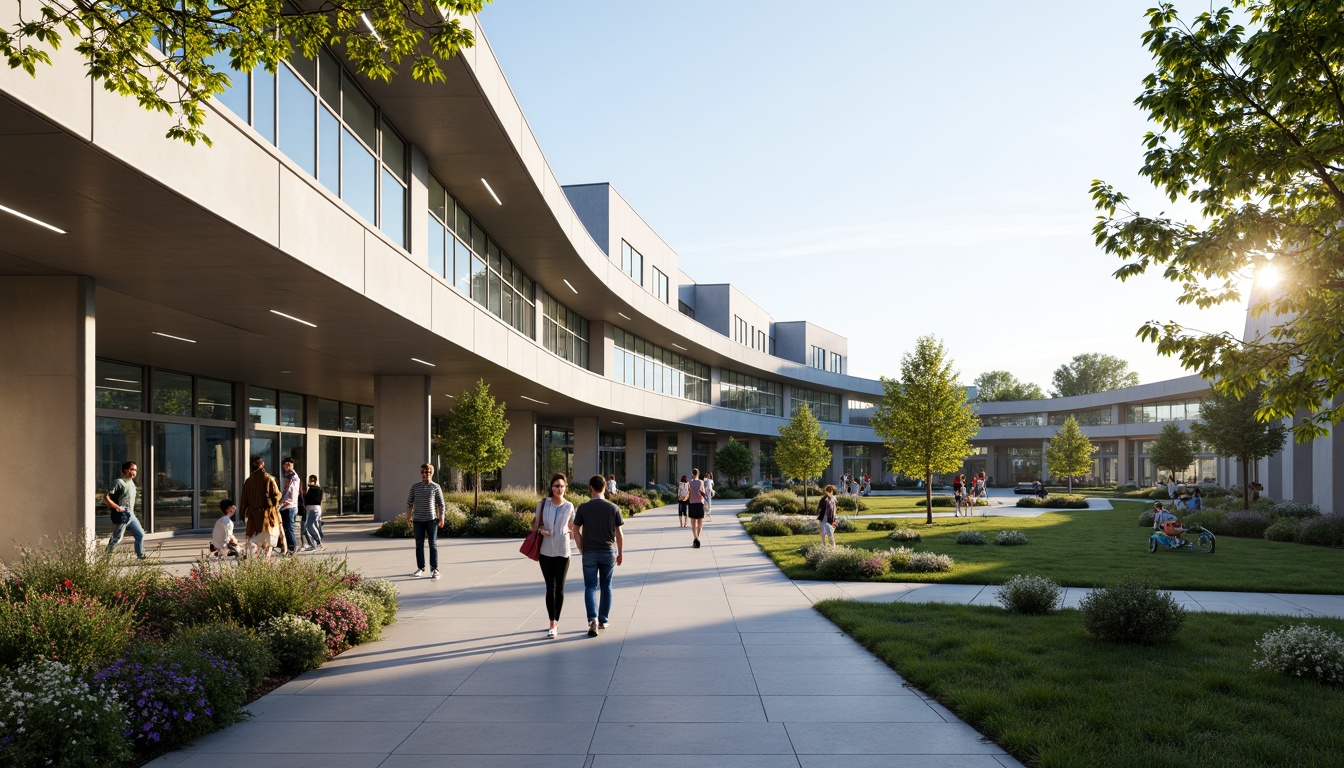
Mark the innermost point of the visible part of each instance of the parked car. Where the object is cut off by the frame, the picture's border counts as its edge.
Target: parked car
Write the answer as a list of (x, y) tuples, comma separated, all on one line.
[(1027, 487)]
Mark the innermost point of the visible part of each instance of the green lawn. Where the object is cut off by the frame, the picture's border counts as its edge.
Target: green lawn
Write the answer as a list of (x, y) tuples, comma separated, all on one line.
[(1053, 697), (1085, 548)]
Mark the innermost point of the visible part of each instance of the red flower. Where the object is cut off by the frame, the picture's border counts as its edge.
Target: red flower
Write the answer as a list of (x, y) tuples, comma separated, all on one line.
[(68, 584)]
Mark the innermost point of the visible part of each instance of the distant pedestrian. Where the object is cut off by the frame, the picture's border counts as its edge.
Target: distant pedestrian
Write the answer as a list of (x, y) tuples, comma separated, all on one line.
[(826, 517), (312, 514), (611, 486), (695, 507), (958, 493), (426, 507), (222, 542), (260, 514), (596, 529), (1041, 492), (552, 520), (1171, 487), (1196, 499), (708, 480), (120, 500), (683, 494), (867, 484), (291, 495)]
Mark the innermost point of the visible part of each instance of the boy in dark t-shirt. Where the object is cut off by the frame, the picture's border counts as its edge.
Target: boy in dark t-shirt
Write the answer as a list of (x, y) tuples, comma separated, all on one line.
[(596, 528)]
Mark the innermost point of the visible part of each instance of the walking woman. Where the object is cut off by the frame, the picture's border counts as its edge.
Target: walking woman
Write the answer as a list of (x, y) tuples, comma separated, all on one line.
[(826, 515), (683, 494), (552, 522), (312, 514)]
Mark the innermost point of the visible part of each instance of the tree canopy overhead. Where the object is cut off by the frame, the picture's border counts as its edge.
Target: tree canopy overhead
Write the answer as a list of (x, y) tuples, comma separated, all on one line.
[(171, 56), (1251, 129), (1001, 386), (1092, 372)]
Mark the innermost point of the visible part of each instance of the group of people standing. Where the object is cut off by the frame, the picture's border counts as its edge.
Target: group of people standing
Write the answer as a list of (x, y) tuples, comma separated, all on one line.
[(967, 492), (854, 485), (694, 500)]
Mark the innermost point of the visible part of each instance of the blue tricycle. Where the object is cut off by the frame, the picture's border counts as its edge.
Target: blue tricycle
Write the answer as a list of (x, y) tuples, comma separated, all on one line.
[(1204, 541)]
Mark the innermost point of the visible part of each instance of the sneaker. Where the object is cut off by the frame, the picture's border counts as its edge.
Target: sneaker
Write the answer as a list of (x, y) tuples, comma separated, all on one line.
[(435, 574), (418, 572), (550, 633), (695, 544), (604, 625), (592, 629)]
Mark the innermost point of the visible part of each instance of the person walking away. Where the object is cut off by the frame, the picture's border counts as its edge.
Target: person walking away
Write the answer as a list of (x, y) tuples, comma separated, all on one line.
[(611, 486), (695, 506), (222, 542), (826, 514), (290, 492), (708, 481), (867, 484), (312, 514), (425, 506), (957, 492), (552, 520), (260, 511), (120, 501), (596, 529), (683, 491)]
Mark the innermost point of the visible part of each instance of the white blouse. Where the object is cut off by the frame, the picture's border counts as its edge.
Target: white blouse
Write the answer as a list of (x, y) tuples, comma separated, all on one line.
[(556, 520)]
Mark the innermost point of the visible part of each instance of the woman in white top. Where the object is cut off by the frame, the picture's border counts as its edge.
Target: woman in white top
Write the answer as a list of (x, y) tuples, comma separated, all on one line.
[(552, 520), (709, 493)]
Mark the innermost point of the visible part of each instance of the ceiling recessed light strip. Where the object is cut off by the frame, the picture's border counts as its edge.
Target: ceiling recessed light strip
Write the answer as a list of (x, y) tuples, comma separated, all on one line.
[(424, 362), (572, 288), (38, 222), (533, 399), (622, 314), (489, 189), (170, 336), (678, 346), (622, 423), (291, 317), (450, 397)]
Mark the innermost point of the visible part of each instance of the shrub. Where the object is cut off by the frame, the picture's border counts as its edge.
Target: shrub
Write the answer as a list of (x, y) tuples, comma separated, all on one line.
[(1302, 651), (802, 525), (1283, 529), (1324, 531), (1294, 510), (1146, 519), (69, 562), (1249, 525), (372, 608), (904, 534), (490, 507), (630, 503), (223, 680), (943, 501), (254, 590), (399, 527), (845, 525), (455, 521), (752, 491), (1054, 501), (296, 643), (785, 502), (849, 504), (847, 564), (1033, 595), (1010, 539), (898, 558), (770, 525), (970, 537), (505, 524), (815, 552), (341, 620), (726, 492), (64, 626), (1131, 611), (386, 593), (165, 704), (881, 525), (37, 727), (1208, 518), (928, 562), (244, 647)]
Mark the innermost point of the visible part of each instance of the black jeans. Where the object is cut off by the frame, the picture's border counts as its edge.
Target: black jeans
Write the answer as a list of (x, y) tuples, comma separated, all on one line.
[(426, 529), (553, 570)]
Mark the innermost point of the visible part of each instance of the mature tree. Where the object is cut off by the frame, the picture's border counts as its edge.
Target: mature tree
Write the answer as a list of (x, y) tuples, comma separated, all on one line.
[(1250, 127), (1092, 372), (801, 451), (924, 418), (1172, 450), (205, 43), (999, 386), (1069, 452), (473, 436), (1229, 427), (734, 460)]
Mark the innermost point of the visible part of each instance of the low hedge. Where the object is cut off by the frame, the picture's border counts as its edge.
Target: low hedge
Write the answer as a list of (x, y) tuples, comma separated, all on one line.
[(1053, 501)]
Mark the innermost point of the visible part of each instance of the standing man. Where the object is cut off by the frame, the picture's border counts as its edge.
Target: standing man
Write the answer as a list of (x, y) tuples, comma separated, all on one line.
[(425, 506), (260, 497), (120, 499), (290, 496), (695, 506), (596, 528)]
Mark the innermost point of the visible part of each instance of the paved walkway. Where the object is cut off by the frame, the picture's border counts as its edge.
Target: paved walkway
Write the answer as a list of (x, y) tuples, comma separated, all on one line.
[(714, 659)]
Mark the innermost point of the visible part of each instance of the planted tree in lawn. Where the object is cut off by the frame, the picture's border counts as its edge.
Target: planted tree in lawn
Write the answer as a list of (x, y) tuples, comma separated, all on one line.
[(1069, 452), (1172, 450), (1228, 425), (734, 460), (924, 418), (473, 435), (801, 451)]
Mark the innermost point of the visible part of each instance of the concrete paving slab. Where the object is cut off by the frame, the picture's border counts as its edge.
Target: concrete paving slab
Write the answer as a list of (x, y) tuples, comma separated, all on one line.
[(683, 709), (691, 739)]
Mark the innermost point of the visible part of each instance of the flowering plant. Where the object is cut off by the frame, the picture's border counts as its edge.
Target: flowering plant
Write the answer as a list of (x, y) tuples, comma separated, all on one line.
[(165, 704), (1303, 651), (339, 619), (62, 625), (51, 716), (297, 644)]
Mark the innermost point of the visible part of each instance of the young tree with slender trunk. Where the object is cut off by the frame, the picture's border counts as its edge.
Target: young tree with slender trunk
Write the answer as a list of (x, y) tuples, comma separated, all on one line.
[(924, 418), (801, 451), (1229, 427), (734, 460), (1070, 452), (1172, 450), (473, 437)]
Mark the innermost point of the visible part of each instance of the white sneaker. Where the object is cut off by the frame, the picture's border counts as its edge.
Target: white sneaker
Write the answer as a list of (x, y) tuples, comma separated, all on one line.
[(418, 572), (434, 575), (551, 633)]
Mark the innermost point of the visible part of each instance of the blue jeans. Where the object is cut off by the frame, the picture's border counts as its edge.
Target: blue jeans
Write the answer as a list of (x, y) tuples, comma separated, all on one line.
[(597, 567), (133, 526), (426, 529), (289, 513), (312, 526)]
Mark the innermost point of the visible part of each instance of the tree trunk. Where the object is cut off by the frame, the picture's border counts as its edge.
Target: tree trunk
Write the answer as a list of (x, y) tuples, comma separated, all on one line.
[(1070, 485), (1245, 484), (928, 498), (804, 497), (476, 487)]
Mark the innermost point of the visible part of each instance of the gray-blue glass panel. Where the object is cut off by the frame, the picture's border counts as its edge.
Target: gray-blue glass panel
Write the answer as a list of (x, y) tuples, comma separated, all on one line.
[(237, 95), (478, 280), (358, 177), (298, 133), (462, 267), (393, 221), (436, 262), (263, 103), (329, 151)]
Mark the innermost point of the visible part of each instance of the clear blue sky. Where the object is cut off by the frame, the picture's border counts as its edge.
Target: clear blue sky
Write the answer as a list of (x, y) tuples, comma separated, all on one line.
[(884, 169)]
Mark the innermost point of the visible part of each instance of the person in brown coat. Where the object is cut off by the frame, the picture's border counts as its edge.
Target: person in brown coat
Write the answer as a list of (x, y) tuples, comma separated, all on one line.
[(260, 499)]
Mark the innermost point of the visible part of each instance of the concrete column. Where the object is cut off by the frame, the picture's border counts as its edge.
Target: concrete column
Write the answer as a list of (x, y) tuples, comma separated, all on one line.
[(837, 463), (418, 237), (1122, 474), (684, 461), (754, 445), (715, 386), (521, 440), (585, 448), (601, 348), (634, 457), (401, 443), (48, 383), (992, 465), (660, 460)]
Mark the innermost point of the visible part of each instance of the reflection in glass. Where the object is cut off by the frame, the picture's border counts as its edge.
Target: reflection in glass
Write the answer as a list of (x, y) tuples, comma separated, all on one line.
[(261, 405), (264, 446), (173, 485), (358, 177), (366, 419), (393, 221), (297, 116), (120, 387), (461, 267), (358, 113), (216, 456), (328, 414), (292, 447), (237, 95), (172, 393), (436, 263), (349, 417), (291, 410), (329, 151), (365, 477), (116, 441), (329, 80), (214, 399), (329, 472), (263, 103)]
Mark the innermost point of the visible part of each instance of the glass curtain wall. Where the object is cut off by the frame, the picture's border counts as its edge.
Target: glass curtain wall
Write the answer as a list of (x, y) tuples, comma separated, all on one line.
[(611, 455), (702, 456), (825, 405), (555, 453), (642, 364), (563, 332), (748, 393)]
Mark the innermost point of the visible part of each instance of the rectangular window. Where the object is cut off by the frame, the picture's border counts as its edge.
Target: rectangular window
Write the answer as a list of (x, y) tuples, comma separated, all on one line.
[(685, 309), (329, 151), (837, 363), (651, 367), (328, 414), (393, 219), (214, 399), (861, 412), (119, 387), (262, 405), (660, 285), (1092, 418), (263, 103), (172, 393), (824, 405), (291, 410), (819, 358), (748, 393), (632, 263), (298, 131), (359, 177)]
